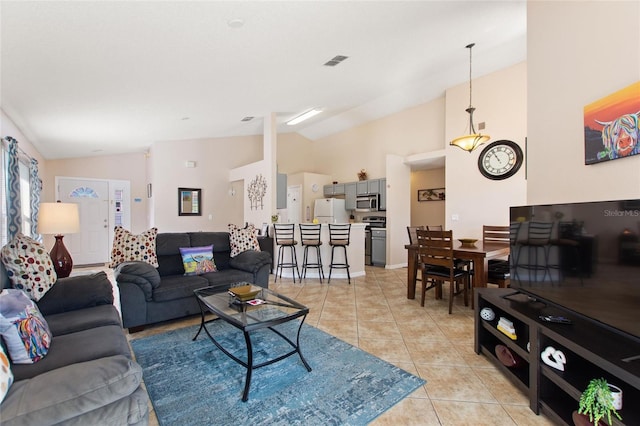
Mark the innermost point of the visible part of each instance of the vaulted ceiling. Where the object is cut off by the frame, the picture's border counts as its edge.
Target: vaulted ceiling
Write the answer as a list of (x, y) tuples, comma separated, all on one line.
[(105, 77)]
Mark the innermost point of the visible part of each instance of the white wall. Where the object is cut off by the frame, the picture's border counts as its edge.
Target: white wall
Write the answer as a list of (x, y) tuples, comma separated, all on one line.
[(578, 52)]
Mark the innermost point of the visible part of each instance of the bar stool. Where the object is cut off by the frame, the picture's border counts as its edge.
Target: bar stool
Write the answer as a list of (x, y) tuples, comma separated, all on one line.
[(284, 233), (310, 238), (339, 235)]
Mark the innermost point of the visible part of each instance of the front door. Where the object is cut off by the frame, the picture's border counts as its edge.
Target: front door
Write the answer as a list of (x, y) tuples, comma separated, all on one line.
[(91, 244)]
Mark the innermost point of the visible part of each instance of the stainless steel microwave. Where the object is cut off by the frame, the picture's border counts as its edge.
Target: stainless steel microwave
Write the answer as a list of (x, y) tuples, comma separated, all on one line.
[(368, 203)]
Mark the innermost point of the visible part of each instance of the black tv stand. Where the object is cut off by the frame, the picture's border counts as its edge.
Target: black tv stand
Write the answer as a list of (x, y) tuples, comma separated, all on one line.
[(591, 351)]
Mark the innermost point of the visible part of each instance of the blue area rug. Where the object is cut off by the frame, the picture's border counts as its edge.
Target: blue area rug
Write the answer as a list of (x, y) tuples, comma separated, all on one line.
[(194, 383)]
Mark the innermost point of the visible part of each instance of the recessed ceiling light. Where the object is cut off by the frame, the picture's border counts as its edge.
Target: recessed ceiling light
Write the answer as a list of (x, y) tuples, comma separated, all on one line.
[(235, 23), (185, 118)]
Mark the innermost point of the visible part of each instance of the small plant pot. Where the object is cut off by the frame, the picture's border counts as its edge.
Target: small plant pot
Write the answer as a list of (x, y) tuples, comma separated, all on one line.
[(616, 392)]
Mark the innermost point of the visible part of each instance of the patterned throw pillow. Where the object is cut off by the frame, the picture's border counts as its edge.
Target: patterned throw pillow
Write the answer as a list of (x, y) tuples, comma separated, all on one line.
[(6, 376), (129, 248), (23, 328), (243, 239), (28, 266), (198, 260)]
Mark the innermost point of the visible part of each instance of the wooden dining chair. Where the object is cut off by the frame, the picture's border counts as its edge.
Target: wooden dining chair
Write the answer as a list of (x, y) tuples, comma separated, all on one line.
[(498, 272), (435, 254)]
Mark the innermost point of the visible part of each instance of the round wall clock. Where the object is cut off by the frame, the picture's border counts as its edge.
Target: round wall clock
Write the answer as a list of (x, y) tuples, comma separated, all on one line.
[(315, 187), (500, 160)]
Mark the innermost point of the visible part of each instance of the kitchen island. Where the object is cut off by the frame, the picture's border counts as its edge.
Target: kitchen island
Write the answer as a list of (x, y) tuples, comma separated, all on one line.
[(355, 253)]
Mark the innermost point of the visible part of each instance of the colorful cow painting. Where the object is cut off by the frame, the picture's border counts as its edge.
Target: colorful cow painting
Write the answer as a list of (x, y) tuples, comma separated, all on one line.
[(612, 126)]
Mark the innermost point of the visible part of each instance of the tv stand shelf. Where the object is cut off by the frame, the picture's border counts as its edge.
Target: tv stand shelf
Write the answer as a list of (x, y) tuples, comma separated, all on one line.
[(591, 350)]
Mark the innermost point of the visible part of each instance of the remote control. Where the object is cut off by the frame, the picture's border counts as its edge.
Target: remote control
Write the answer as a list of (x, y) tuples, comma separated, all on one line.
[(559, 320)]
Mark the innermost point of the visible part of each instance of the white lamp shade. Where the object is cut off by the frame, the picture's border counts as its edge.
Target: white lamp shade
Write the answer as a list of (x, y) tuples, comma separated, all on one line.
[(58, 218)]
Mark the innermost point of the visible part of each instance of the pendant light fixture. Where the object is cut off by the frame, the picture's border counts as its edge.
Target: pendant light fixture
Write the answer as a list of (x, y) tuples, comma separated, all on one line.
[(473, 140)]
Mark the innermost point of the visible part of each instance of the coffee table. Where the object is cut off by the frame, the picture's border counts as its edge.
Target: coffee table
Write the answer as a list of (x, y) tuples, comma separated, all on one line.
[(276, 309)]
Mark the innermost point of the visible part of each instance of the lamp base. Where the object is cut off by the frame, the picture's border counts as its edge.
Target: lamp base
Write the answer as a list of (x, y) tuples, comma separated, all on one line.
[(61, 258)]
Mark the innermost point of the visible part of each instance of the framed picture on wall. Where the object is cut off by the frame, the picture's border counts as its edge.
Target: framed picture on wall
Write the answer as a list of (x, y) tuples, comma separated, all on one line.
[(434, 194), (189, 202)]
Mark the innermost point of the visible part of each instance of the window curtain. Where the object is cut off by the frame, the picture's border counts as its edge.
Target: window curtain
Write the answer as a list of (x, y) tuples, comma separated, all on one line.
[(35, 187), (14, 210)]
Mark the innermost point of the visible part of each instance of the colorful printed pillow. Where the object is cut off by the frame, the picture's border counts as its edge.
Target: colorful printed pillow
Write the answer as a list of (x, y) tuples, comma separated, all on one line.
[(23, 328), (198, 260), (28, 266), (6, 376), (243, 239), (128, 247)]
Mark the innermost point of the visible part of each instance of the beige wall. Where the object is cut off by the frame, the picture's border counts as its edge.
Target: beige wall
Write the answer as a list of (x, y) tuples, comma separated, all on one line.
[(131, 167), (214, 158), (578, 52), (432, 212), (500, 99)]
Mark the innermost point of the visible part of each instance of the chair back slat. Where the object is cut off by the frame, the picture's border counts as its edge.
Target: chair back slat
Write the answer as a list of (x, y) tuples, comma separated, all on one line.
[(309, 233), (284, 233), (413, 236), (495, 234)]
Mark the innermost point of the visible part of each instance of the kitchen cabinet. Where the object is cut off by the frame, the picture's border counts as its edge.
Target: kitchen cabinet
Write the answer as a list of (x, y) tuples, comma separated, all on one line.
[(281, 191), (371, 186), (331, 190), (383, 194), (378, 247), (350, 196)]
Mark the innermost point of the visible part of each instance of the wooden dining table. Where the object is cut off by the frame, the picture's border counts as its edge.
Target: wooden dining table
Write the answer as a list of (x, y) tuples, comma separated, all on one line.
[(480, 254)]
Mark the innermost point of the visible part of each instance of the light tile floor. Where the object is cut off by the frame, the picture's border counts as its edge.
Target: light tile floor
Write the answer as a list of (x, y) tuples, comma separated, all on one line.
[(374, 314)]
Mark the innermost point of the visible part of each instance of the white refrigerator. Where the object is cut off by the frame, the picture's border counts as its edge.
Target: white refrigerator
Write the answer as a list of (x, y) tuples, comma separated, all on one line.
[(330, 210)]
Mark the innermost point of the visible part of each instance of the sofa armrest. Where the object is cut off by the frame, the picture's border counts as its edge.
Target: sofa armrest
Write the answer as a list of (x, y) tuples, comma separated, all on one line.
[(67, 392), (141, 274), (250, 261), (73, 293)]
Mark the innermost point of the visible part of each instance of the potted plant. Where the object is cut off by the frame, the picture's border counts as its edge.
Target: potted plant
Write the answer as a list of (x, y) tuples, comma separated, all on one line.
[(596, 402)]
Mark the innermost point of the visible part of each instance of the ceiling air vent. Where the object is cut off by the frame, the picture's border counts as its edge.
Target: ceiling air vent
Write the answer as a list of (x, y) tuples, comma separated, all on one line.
[(335, 61), (248, 118)]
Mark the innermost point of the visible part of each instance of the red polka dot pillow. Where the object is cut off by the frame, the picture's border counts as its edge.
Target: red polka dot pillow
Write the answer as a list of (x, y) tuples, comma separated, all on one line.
[(28, 266), (243, 239), (128, 247)]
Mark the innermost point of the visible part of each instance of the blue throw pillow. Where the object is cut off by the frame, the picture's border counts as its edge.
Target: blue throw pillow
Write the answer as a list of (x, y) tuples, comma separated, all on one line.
[(198, 260)]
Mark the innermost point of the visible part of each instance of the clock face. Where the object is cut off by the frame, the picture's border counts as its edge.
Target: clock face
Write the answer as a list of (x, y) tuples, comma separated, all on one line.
[(500, 160)]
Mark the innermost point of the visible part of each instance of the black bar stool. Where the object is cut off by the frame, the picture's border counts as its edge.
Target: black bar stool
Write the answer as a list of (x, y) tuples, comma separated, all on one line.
[(284, 233), (310, 238), (339, 235)]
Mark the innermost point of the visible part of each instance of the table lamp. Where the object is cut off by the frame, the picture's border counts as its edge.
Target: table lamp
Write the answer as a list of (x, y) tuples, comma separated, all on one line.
[(57, 219)]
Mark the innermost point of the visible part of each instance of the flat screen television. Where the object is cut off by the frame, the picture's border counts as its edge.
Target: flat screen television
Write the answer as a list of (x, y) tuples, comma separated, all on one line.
[(584, 257)]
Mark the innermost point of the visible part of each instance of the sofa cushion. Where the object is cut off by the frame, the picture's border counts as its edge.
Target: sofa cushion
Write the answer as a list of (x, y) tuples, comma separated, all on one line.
[(128, 247), (198, 260), (83, 319), (65, 393), (28, 266), (168, 250), (227, 278), (79, 292), (82, 346), (243, 239), (6, 376), (23, 328), (178, 286)]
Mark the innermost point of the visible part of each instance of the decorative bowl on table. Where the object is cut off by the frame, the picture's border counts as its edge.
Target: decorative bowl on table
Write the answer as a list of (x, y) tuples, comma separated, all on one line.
[(245, 292), (468, 242)]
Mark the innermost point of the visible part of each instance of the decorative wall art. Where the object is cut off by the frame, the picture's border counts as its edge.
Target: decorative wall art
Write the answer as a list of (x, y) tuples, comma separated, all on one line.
[(611, 129), (435, 194), (256, 192), (189, 202)]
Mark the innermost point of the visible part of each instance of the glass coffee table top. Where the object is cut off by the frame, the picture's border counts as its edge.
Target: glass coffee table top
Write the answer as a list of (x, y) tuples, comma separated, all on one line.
[(266, 307)]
